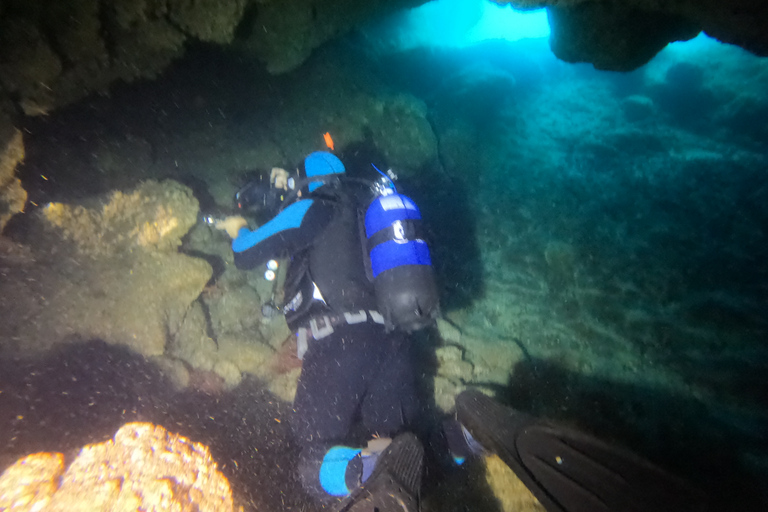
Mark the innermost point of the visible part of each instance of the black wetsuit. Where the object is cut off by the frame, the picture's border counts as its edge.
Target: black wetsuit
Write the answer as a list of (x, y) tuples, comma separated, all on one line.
[(359, 375)]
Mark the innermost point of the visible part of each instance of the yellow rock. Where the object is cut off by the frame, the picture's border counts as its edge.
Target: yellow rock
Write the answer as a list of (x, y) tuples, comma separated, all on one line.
[(30, 483), (153, 216), (144, 467), (512, 494), (120, 279)]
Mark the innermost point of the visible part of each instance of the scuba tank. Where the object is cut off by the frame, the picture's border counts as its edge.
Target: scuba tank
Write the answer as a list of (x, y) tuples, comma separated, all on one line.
[(400, 263), (395, 254)]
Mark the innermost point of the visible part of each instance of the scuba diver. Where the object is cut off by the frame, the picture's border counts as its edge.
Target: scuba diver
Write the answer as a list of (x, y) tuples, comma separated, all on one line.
[(359, 280)]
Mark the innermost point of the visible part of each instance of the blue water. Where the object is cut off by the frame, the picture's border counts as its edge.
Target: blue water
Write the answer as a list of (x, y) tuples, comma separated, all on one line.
[(599, 238)]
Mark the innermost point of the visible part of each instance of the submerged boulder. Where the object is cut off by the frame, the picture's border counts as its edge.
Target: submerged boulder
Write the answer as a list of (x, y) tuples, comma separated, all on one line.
[(144, 467), (152, 217), (402, 132), (12, 195), (109, 271)]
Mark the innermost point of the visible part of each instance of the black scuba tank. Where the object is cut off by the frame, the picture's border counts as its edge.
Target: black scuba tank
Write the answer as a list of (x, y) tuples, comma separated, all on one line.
[(401, 266)]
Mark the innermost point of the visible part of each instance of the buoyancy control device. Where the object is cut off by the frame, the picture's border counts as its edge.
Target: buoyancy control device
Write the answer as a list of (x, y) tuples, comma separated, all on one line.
[(400, 262), (397, 256)]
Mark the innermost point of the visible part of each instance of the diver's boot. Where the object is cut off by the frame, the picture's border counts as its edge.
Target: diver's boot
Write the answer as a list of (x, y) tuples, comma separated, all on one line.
[(394, 484), (569, 471)]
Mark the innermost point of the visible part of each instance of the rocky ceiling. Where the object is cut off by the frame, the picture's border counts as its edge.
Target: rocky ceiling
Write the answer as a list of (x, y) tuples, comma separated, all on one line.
[(621, 35), (54, 52)]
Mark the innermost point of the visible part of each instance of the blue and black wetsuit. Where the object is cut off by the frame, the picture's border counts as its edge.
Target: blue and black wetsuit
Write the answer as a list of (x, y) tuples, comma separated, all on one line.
[(357, 379)]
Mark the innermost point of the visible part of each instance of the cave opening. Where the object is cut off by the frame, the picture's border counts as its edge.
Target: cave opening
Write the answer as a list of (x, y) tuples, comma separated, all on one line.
[(599, 241)]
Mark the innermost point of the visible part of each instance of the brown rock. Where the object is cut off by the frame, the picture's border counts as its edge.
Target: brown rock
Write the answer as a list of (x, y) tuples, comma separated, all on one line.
[(612, 36), (30, 483), (12, 195), (54, 53), (284, 33), (624, 34), (145, 467), (115, 276), (29, 67), (207, 20)]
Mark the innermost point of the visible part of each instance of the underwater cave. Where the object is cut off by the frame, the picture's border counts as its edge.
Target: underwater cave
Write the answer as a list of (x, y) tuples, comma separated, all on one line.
[(591, 176)]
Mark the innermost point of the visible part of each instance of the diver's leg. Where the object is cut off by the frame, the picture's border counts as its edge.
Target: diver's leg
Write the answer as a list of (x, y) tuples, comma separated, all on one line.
[(329, 391), (338, 376), (391, 403), (327, 399)]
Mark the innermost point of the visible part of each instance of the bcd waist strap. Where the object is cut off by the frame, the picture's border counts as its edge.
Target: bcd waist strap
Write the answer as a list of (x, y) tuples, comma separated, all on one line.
[(320, 327)]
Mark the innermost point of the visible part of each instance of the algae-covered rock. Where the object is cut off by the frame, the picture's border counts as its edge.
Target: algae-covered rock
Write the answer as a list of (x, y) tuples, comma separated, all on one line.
[(452, 366), (248, 355), (55, 53), (229, 372), (614, 37), (174, 371), (403, 134), (208, 20), (446, 391), (448, 332), (154, 216), (453, 373), (144, 467), (235, 310), (126, 301), (190, 341), (28, 65), (12, 195), (282, 34), (120, 279), (284, 386)]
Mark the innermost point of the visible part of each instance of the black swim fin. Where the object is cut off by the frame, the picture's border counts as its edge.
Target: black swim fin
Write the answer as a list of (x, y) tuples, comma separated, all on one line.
[(395, 482), (569, 471)]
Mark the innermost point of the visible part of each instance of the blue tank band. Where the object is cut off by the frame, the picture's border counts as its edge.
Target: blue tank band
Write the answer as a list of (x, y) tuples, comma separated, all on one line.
[(391, 254), (289, 218), (387, 209), (334, 468)]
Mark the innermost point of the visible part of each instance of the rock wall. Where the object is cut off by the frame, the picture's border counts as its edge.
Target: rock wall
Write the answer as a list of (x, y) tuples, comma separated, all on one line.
[(109, 272), (614, 37), (12, 195), (283, 33), (622, 35), (53, 53)]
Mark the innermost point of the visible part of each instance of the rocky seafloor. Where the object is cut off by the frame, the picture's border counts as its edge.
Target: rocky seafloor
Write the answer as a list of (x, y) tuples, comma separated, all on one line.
[(599, 241)]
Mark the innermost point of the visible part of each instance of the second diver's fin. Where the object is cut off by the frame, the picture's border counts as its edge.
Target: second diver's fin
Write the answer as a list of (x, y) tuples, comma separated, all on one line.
[(395, 482), (569, 471)]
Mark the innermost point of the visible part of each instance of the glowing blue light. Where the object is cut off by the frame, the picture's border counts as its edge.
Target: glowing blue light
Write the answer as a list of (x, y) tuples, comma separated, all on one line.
[(503, 22), (465, 22)]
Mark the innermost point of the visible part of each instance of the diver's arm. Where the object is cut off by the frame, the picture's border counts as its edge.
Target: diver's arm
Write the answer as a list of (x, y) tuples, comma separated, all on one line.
[(292, 230)]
